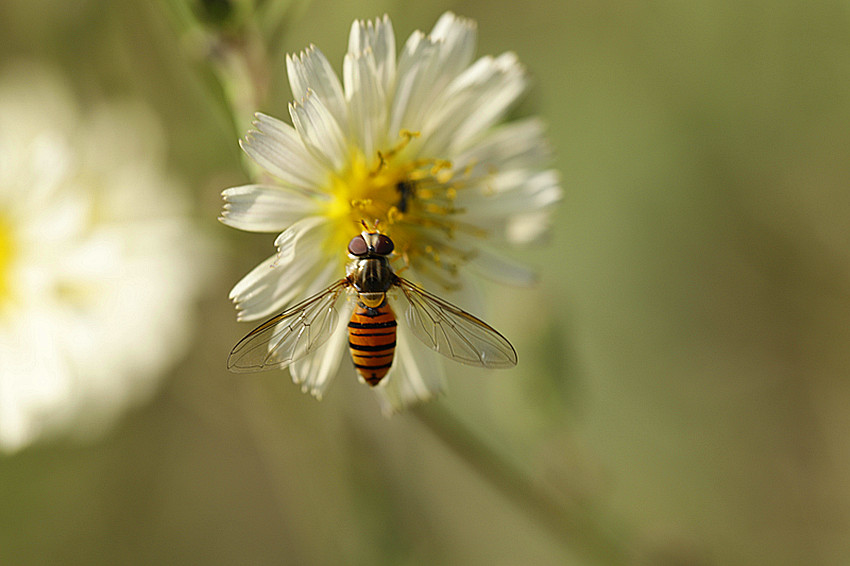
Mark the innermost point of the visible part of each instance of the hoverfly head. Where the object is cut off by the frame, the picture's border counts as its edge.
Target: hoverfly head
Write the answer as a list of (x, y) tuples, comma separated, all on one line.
[(370, 242)]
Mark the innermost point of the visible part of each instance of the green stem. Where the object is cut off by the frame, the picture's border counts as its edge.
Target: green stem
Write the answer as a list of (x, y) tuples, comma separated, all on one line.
[(278, 17), (235, 55), (574, 524)]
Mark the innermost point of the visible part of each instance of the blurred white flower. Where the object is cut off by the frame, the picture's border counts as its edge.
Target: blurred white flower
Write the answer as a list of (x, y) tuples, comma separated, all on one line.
[(413, 143), (98, 260)]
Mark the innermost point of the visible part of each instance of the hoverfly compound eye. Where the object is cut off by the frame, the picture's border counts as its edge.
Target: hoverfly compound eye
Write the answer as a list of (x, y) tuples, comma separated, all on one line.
[(357, 246), (384, 246)]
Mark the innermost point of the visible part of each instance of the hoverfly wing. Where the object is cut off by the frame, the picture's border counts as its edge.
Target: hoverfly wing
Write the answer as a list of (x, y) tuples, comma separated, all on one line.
[(452, 331), (290, 335)]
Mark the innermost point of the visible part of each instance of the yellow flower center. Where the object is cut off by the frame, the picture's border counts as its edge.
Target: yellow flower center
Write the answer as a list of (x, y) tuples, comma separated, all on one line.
[(364, 192), (7, 253), (411, 200)]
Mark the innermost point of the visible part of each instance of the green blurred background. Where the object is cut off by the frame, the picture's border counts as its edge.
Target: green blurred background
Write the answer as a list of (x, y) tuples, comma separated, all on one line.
[(683, 362)]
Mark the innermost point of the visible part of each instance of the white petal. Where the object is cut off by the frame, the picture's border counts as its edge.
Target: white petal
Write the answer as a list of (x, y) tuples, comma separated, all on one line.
[(277, 148), (310, 70), (319, 131), (493, 104), (524, 229), (417, 375), (59, 220), (258, 208), (426, 67), (457, 38), (472, 103), (367, 102), (377, 38), (469, 295), (256, 281), (304, 236), (315, 372), (417, 69), (273, 285), (507, 206), (495, 266), (508, 193), (516, 145), (46, 163), (36, 388), (270, 287)]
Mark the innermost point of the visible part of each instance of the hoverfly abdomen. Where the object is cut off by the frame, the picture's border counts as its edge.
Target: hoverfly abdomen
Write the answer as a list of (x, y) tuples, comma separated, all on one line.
[(371, 339)]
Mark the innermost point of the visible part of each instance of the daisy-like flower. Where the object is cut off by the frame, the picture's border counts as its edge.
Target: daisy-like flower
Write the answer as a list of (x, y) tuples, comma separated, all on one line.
[(98, 260), (412, 141)]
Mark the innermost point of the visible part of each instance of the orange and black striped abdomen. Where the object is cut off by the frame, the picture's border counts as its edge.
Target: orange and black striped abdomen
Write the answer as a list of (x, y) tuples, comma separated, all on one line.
[(371, 338)]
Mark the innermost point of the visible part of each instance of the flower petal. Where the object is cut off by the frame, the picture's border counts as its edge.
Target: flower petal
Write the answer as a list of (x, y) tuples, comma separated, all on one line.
[(427, 66), (494, 265), (367, 102), (259, 208), (276, 147), (472, 103), (278, 281), (256, 282), (307, 233), (38, 390), (524, 229), (377, 38), (315, 372), (512, 207), (457, 38), (417, 375), (417, 68), (310, 70), (517, 145), (511, 192), (270, 286), (319, 131)]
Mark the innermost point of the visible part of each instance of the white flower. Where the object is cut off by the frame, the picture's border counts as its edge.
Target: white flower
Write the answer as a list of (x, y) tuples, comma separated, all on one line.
[(413, 142), (97, 260)]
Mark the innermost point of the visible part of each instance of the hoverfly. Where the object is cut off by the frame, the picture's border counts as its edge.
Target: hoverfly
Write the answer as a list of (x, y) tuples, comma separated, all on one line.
[(441, 326)]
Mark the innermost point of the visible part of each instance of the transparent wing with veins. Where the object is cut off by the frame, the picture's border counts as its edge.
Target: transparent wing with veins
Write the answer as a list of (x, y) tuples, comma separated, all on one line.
[(452, 331), (289, 336)]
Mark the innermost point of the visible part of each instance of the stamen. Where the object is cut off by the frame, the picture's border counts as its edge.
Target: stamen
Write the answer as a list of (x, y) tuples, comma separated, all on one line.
[(406, 136), (394, 215), (444, 176), (429, 249), (440, 165), (381, 163), (438, 209)]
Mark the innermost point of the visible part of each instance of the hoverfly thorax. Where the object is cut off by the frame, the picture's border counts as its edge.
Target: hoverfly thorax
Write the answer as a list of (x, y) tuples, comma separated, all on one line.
[(369, 270)]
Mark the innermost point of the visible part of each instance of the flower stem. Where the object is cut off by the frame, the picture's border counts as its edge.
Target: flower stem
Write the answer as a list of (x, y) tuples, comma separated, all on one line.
[(574, 524), (233, 51)]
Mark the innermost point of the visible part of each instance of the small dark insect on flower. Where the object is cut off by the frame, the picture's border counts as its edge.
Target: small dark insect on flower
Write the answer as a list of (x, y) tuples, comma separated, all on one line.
[(406, 191)]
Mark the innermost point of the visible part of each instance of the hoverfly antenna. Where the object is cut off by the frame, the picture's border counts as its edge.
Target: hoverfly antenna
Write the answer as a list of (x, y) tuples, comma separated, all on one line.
[(370, 230)]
